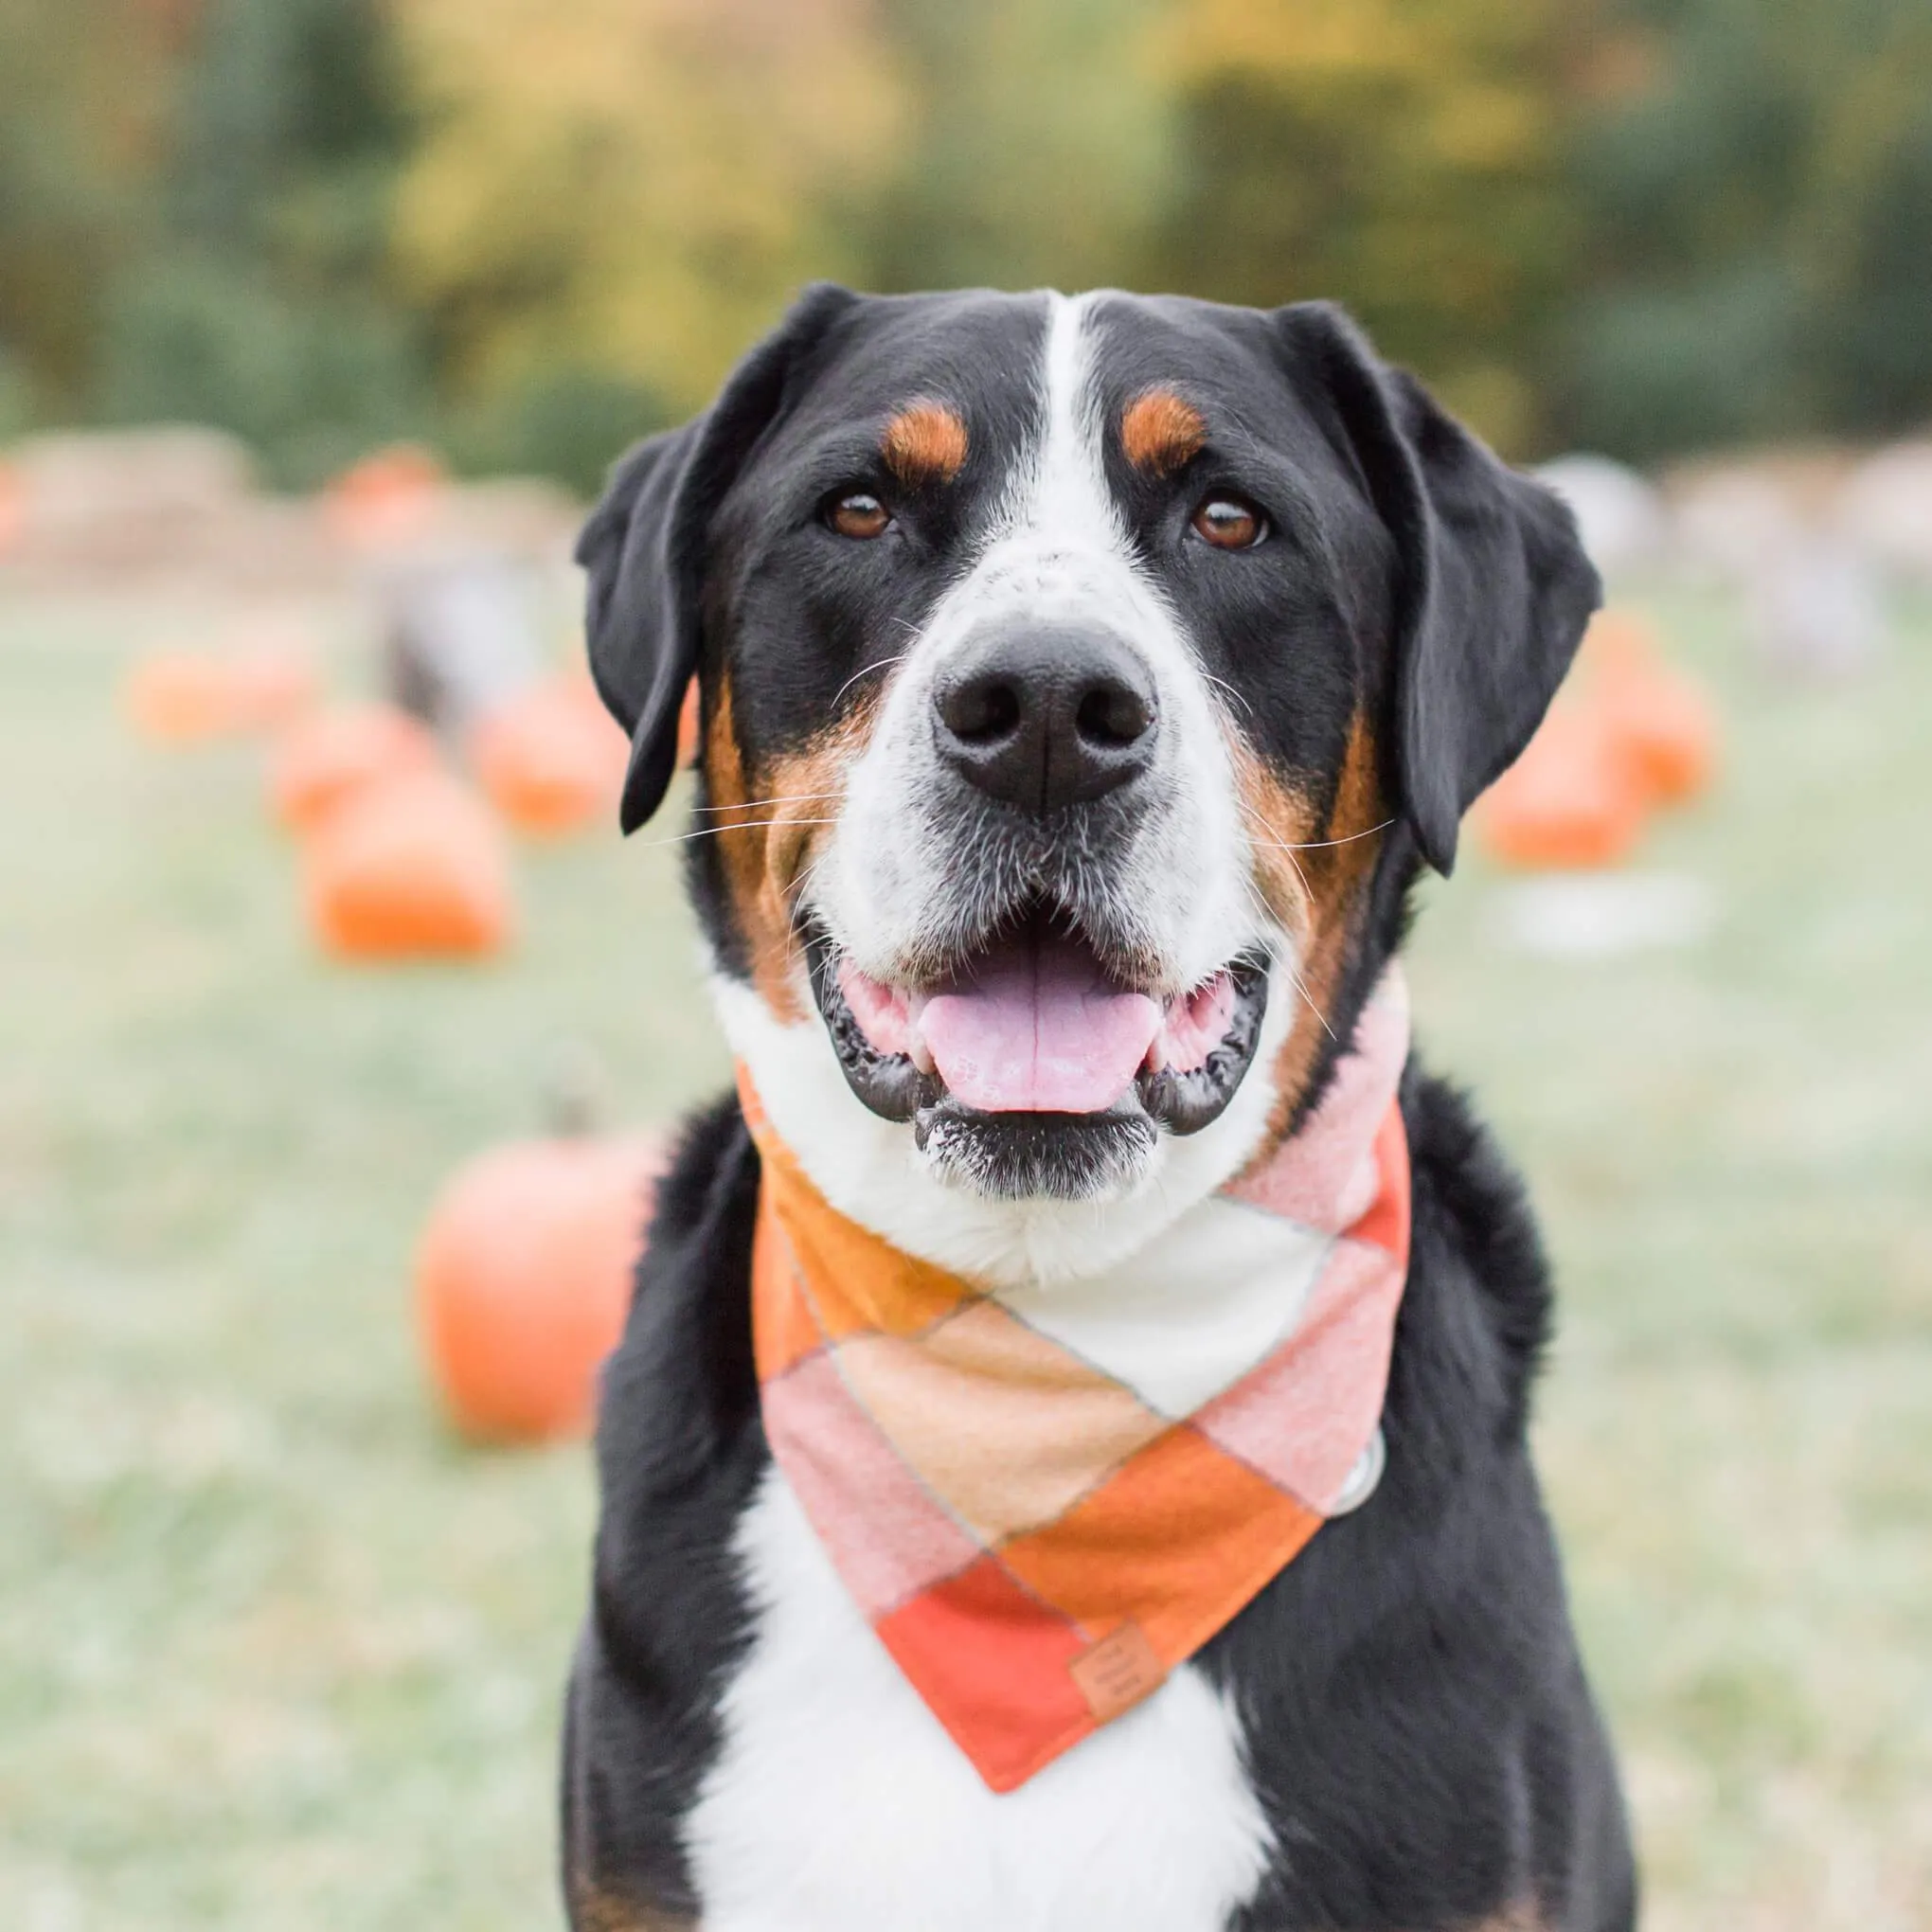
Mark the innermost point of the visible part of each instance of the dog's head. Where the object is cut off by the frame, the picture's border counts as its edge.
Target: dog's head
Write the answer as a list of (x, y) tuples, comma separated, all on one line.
[(1084, 680)]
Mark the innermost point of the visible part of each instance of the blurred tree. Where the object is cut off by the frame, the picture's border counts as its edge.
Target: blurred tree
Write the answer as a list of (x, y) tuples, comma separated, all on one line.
[(566, 422), (1404, 157), (1758, 203), (85, 93), (634, 186), (533, 231), (265, 303), (1040, 149)]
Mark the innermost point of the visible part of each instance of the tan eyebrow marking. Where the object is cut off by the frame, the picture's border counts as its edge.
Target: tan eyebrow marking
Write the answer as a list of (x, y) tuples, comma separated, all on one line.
[(1160, 432), (924, 443)]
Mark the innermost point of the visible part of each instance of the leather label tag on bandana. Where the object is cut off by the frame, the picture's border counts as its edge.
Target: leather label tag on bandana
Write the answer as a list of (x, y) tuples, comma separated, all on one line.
[(1044, 1501), (1117, 1672)]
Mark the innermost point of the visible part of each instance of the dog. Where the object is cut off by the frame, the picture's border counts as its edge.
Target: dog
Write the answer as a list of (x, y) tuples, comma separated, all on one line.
[(1086, 682)]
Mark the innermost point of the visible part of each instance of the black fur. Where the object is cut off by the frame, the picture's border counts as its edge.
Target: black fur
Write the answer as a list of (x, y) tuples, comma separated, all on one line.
[(679, 1448), (1419, 1732)]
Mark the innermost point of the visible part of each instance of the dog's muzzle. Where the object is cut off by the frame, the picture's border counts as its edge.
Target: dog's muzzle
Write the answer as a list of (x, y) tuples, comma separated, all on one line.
[(1030, 1022)]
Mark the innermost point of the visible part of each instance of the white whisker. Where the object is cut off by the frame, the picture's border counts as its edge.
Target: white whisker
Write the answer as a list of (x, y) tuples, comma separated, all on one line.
[(884, 664), (1223, 685), (786, 799), (1308, 998), (751, 825), (1277, 844), (1308, 845)]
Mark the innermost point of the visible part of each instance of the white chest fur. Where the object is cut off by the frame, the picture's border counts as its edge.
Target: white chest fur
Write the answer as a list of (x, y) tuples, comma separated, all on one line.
[(837, 1803)]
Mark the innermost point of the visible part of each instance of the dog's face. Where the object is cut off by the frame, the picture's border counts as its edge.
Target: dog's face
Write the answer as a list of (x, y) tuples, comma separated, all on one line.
[(1078, 678)]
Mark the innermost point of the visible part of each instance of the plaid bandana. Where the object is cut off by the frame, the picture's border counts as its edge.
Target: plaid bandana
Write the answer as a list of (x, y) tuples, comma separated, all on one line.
[(1045, 1499)]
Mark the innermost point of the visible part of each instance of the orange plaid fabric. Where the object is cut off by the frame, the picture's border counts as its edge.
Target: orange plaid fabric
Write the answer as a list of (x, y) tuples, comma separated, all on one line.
[(1037, 1540)]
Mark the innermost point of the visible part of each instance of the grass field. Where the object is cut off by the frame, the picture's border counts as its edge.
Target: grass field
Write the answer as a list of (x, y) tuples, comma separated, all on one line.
[(276, 1652)]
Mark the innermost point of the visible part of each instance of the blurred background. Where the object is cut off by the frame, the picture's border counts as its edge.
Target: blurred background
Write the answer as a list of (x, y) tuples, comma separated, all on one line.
[(319, 321), (1643, 226)]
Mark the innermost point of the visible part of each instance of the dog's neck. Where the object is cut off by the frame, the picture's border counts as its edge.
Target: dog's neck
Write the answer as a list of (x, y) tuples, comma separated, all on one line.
[(870, 1170)]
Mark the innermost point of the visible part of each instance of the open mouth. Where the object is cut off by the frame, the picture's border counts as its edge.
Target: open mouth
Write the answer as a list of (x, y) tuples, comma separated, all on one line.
[(1035, 1035)]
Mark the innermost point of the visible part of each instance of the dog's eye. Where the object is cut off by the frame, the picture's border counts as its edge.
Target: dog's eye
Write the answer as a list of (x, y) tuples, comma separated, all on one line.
[(1231, 523), (859, 515)]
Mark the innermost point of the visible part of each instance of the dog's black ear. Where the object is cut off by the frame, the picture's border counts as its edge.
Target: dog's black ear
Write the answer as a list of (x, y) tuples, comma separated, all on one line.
[(643, 549), (1494, 587)]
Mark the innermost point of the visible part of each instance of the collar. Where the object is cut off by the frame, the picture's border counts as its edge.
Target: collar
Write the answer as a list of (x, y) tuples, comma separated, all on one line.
[(1045, 1499)]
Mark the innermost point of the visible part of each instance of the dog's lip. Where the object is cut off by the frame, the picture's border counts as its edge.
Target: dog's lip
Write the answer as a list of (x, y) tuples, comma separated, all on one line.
[(1198, 1053)]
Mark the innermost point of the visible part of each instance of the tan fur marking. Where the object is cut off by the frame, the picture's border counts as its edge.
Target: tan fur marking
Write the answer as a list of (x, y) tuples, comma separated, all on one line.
[(924, 443), (1160, 432), (1312, 875), (603, 1911), (770, 821)]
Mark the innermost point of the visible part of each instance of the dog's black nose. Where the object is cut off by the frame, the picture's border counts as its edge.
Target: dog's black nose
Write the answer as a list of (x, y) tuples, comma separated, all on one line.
[(1045, 717)]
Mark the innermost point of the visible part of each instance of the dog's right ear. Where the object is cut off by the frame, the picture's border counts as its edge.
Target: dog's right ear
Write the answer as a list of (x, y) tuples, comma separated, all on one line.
[(1494, 587), (643, 549)]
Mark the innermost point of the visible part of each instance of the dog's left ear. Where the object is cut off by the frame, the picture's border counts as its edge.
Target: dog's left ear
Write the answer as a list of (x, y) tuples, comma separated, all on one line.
[(643, 549), (1494, 587)]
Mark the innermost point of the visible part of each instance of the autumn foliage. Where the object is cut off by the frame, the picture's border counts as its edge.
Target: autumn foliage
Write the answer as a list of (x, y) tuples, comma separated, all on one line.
[(636, 185), (537, 230)]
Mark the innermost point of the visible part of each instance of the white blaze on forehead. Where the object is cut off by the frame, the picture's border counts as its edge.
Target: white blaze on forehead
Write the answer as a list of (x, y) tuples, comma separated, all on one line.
[(1058, 548), (1070, 493)]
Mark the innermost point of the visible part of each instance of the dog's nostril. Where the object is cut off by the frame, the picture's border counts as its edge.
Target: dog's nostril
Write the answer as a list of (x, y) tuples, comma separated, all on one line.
[(980, 711), (1042, 717), (1112, 715)]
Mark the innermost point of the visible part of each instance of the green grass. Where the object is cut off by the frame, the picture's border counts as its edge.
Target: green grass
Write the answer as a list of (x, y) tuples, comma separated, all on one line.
[(277, 1653), (1732, 1149)]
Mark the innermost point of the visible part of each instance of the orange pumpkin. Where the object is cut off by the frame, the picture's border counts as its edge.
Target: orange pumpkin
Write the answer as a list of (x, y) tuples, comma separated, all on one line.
[(12, 508), (274, 683), (184, 697), (408, 867), (179, 697), (522, 1279), (553, 758), (1572, 800), (337, 753), (387, 497), (1663, 723)]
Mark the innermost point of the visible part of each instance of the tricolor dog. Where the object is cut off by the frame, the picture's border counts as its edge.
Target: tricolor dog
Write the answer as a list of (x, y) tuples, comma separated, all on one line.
[(1065, 1467)]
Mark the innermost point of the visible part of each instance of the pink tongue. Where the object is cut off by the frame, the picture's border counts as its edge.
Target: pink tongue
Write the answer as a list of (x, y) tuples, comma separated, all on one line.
[(1038, 1029)]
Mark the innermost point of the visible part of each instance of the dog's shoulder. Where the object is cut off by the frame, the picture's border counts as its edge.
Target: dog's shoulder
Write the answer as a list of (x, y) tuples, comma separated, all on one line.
[(1480, 1283), (1410, 1682), (680, 1393), (679, 1450), (681, 1383)]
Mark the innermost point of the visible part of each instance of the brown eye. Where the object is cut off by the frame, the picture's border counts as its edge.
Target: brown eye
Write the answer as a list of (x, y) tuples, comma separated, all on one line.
[(860, 515), (1229, 524)]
